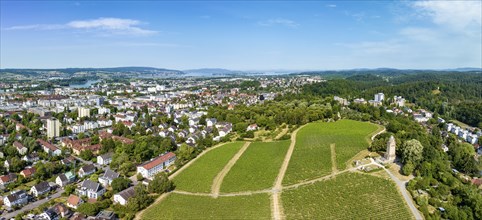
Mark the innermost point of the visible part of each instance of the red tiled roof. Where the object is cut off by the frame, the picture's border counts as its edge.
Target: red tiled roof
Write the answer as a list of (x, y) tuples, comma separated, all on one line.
[(73, 200), (47, 145), (477, 182), (161, 159), (124, 140), (18, 145), (29, 171)]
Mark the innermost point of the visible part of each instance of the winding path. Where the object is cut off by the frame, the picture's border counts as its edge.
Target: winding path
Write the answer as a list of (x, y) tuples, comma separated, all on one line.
[(218, 180), (376, 134)]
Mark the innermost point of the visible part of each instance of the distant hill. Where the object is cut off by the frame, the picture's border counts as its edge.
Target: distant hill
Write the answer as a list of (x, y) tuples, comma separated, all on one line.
[(387, 72), (141, 70), (214, 71)]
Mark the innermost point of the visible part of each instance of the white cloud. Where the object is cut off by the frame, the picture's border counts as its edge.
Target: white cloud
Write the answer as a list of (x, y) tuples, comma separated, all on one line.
[(36, 27), (331, 6), (279, 21), (454, 14), (103, 25)]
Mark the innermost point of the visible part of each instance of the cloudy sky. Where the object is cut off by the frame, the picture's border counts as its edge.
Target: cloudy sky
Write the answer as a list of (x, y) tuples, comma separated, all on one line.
[(241, 35)]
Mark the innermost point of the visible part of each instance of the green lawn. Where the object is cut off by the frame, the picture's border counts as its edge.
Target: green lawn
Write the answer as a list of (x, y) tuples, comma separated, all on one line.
[(312, 157), (200, 175), (177, 206), (348, 196), (257, 168)]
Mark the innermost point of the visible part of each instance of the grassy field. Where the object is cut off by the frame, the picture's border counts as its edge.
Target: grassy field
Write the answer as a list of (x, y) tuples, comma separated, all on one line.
[(257, 168), (312, 157), (348, 196), (199, 176), (177, 206)]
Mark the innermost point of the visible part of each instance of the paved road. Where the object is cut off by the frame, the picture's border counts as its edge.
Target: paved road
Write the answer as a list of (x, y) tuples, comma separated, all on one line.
[(32, 205)]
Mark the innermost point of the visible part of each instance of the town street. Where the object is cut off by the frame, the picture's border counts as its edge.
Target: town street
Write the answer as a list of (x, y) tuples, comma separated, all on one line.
[(32, 205)]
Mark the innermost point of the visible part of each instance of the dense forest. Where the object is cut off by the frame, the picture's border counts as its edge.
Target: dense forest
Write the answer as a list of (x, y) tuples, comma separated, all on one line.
[(454, 95)]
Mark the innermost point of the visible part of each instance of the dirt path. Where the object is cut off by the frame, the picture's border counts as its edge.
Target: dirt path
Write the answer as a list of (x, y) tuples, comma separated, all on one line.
[(379, 132), (158, 200), (283, 132), (334, 169), (277, 209), (317, 179), (219, 178), (245, 193)]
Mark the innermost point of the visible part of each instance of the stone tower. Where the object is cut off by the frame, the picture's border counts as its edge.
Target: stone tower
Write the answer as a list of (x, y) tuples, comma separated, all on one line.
[(390, 153)]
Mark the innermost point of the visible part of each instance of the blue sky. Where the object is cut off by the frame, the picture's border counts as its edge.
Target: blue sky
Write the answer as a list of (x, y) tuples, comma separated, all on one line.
[(241, 35)]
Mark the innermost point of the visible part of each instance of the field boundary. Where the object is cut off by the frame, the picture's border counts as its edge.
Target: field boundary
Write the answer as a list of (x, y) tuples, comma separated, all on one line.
[(193, 160), (277, 209), (334, 169), (158, 200), (218, 180)]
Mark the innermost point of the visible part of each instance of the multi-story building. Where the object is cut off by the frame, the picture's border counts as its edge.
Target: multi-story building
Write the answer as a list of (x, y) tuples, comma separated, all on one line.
[(84, 112), (379, 97), (156, 165), (53, 128)]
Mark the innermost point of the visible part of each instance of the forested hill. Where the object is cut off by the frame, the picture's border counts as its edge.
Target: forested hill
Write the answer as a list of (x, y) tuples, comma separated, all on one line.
[(454, 95), (145, 70), (385, 72)]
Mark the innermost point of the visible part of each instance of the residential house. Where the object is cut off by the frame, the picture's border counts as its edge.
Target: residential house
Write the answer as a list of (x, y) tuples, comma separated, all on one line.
[(252, 127), (7, 163), (40, 189), (7, 179), (49, 148), (123, 197), (156, 165), (74, 201), (16, 198), (31, 158), (107, 178), (86, 170), (211, 122), (55, 212), (67, 161), (92, 190), (105, 159), (22, 150), (105, 215), (64, 179), (29, 172)]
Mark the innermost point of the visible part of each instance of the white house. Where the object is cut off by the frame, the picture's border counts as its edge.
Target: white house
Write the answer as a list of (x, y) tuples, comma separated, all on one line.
[(107, 178), (211, 122), (123, 197), (90, 189), (156, 165), (105, 159), (86, 170), (17, 198), (63, 179), (40, 189), (252, 127), (22, 150)]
